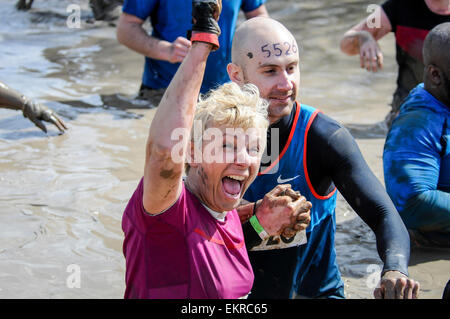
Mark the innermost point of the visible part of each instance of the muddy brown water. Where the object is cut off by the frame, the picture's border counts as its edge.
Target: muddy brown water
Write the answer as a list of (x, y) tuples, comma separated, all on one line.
[(62, 196)]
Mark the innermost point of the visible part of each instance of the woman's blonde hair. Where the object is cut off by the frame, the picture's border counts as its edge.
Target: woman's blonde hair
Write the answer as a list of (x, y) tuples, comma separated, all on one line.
[(232, 106)]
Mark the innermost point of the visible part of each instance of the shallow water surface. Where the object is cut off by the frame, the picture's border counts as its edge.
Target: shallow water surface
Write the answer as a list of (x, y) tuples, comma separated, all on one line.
[(62, 196)]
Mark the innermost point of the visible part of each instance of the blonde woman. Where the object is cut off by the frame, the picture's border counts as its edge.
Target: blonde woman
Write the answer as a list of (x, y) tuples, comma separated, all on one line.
[(183, 239)]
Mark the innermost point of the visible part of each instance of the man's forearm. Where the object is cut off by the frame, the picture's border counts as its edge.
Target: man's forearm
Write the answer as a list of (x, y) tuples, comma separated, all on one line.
[(356, 36), (133, 36), (393, 244), (352, 41), (371, 202), (428, 210)]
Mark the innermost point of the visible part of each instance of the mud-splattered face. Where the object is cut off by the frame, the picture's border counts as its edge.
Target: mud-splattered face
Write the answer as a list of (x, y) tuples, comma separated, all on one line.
[(230, 162)]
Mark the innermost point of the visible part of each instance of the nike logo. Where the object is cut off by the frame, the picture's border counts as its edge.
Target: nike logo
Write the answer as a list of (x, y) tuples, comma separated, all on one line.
[(283, 181)]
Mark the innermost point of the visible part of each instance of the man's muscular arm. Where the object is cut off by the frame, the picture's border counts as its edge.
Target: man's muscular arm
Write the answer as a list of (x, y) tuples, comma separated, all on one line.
[(334, 155), (131, 34)]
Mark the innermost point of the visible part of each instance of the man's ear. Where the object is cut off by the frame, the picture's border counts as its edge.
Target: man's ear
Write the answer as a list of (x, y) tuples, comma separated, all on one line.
[(235, 73), (434, 74)]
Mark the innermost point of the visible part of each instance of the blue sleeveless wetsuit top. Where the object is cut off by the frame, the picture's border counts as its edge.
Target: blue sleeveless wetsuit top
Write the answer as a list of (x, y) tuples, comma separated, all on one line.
[(308, 261)]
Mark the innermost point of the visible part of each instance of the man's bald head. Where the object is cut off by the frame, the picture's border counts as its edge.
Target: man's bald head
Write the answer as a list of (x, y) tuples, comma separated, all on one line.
[(436, 47), (254, 34), (265, 54), (436, 58)]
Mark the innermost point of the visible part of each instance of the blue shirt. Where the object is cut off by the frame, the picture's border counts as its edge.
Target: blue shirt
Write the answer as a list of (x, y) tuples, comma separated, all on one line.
[(416, 162), (173, 18)]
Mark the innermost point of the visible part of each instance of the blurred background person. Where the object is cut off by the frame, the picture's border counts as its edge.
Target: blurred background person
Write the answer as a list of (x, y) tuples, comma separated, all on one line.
[(416, 156), (411, 21)]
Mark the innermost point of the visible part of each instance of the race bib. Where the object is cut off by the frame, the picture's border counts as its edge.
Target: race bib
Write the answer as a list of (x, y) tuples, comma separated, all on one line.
[(280, 242)]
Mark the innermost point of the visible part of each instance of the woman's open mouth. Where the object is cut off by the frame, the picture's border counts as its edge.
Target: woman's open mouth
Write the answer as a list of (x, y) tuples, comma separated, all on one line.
[(232, 185)]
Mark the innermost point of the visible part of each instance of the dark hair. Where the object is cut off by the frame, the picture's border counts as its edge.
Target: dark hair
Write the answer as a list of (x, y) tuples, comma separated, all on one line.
[(437, 43)]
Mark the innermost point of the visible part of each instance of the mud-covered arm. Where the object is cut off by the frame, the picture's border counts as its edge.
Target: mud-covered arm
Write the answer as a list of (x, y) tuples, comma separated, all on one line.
[(163, 172), (10, 98), (35, 112), (171, 125)]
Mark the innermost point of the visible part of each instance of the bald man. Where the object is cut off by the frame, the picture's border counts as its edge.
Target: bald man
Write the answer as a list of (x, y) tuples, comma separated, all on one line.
[(317, 156), (416, 154)]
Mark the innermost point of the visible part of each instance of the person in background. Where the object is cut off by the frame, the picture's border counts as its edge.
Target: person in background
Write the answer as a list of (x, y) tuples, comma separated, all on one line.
[(318, 157), (106, 10), (416, 157), (24, 4), (168, 45), (32, 110), (410, 20)]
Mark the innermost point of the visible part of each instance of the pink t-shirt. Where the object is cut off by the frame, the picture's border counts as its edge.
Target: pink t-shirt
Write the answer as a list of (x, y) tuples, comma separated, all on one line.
[(184, 252)]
